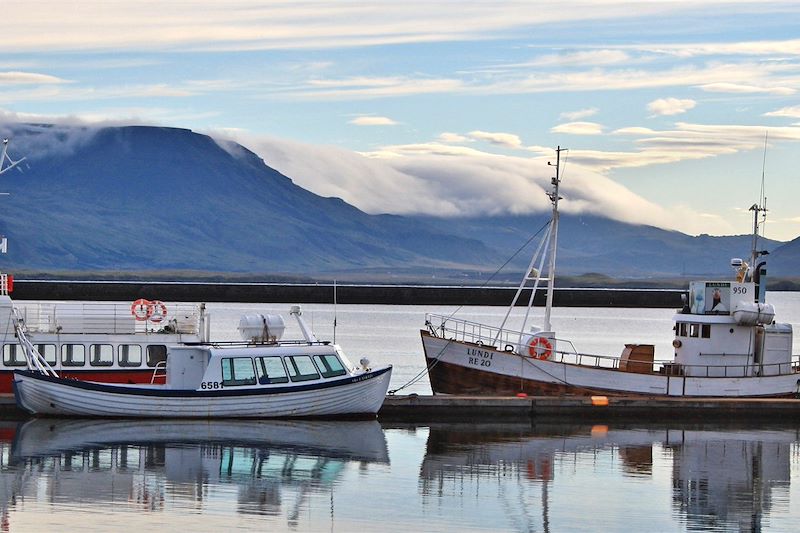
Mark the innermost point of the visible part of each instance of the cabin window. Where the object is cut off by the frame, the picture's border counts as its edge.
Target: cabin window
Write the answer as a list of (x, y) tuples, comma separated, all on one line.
[(101, 355), (694, 330), (329, 365), (48, 351), (73, 354), (237, 371), (156, 353), (14, 355), (682, 329), (271, 370), (130, 355), (705, 331), (301, 368)]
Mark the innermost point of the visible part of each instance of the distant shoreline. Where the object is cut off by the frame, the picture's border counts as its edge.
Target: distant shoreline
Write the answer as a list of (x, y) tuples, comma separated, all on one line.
[(304, 293)]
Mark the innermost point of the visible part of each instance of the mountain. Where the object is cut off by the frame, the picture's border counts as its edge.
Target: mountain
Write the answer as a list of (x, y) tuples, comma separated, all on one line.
[(145, 198), (785, 260), (148, 199)]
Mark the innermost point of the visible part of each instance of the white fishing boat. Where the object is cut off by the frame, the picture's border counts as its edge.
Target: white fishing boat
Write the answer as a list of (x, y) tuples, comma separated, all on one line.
[(265, 377), (727, 343)]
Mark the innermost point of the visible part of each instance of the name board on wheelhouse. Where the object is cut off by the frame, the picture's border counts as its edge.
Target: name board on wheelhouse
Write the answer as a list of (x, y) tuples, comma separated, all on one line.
[(717, 297)]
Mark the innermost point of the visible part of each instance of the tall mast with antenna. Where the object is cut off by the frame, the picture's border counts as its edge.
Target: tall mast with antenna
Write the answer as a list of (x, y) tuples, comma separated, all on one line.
[(551, 267), (760, 209)]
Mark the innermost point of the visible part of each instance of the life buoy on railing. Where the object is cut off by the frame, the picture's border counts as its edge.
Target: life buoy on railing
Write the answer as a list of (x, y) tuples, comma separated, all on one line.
[(159, 311), (540, 348), (141, 309)]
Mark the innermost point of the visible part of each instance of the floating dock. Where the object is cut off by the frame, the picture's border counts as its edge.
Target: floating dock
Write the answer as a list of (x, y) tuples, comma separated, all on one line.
[(487, 409), (415, 408)]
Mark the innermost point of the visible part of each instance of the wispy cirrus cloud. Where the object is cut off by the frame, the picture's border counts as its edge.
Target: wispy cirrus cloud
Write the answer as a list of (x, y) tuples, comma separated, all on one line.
[(579, 114), (790, 112), (507, 140), (742, 88), (578, 128), (369, 120), (29, 78), (670, 106)]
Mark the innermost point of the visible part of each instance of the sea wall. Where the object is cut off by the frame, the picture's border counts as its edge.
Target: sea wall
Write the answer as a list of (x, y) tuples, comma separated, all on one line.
[(345, 294)]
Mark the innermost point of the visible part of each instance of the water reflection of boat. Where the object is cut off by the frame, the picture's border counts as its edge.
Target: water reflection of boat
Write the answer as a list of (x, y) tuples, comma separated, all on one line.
[(722, 478), (274, 466)]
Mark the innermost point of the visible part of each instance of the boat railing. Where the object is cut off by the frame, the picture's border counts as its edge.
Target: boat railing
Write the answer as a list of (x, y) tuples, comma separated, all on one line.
[(474, 332), (508, 341), (105, 317)]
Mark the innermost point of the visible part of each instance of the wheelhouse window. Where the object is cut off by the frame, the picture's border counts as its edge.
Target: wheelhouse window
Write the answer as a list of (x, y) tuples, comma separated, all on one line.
[(73, 355), (271, 370), (129, 355), (694, 330), (705, 331), (14, 355), (238, 371), (329, 365), (101, 355), (48, 351), (301, 368), (156, 353), (681, 329)]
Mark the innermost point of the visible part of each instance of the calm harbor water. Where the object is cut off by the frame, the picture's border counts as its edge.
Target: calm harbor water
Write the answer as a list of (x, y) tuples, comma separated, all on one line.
[(70, 475)]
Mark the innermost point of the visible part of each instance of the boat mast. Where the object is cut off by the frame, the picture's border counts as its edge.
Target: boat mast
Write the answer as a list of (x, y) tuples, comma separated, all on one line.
[(551, 267), (757, 210)]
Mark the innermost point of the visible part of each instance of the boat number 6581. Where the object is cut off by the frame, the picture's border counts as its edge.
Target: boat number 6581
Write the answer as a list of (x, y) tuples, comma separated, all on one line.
[(210, 385)]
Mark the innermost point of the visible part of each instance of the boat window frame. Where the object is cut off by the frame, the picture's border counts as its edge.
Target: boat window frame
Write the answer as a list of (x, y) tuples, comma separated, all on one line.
[(291, 364), (232, 381), (127, 362), (154, 360), (95, 360), (18, 351), (71, 361), (52, 360), (265, 378), (321, 361)]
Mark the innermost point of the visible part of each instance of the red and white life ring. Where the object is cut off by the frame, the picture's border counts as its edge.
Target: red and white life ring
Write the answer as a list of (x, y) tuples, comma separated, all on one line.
[(159, 311), (540, 348), (141, 309)]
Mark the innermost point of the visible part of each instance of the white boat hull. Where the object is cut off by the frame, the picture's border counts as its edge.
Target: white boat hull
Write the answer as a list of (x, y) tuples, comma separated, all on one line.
[(464, 368), (349, 395)]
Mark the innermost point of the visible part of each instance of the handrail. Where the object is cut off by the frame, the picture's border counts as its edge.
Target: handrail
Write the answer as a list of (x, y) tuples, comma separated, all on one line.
[(160, 365), (482, 334)]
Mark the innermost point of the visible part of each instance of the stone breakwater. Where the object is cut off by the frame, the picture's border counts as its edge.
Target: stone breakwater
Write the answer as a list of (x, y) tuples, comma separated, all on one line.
[(345, 294)]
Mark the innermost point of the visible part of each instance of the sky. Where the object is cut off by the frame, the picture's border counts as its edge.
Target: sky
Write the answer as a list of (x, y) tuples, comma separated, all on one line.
[(672, 111)]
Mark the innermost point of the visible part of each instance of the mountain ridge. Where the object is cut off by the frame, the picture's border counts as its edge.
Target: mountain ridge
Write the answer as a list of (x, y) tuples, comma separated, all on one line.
[(141, 198)]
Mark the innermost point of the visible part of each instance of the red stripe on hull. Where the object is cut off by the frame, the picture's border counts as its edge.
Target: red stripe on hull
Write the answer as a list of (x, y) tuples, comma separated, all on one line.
[(128, 377)]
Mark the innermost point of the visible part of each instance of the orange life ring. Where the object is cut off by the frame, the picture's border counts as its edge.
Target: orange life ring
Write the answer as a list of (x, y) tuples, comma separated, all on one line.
[(141, 309), (540, 348), (159, 311)]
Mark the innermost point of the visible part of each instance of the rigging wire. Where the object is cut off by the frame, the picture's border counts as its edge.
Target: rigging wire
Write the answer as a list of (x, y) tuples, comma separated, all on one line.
[(430, 366)]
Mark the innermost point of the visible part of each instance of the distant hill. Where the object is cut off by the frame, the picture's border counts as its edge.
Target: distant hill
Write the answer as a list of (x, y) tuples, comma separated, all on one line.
[(147, 199), (785, 260)]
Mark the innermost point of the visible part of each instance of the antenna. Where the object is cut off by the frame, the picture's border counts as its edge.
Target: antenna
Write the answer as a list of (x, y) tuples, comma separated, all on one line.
[(334, 311), (6, 159), (760, 209)]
